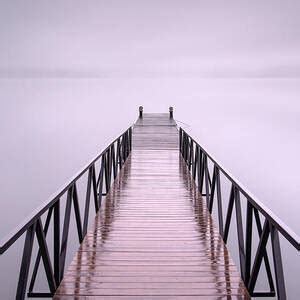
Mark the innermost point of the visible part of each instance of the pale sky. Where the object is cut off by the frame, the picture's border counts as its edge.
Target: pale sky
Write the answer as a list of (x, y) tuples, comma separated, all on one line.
[(150, 38)]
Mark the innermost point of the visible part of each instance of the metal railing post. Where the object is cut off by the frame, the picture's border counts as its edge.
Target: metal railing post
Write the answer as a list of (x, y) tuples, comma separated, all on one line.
[(141, 111), (171, 112)]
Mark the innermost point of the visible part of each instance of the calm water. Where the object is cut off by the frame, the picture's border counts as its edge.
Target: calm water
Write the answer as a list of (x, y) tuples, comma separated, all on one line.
[(51, 127)]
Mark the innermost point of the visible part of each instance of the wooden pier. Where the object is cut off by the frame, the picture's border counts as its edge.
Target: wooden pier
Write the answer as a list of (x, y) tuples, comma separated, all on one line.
[(153, 237)]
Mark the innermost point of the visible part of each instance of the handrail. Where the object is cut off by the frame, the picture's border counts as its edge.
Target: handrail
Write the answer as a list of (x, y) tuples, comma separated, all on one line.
[(284, 229), (111, 160), (196, 158), (8, 240)]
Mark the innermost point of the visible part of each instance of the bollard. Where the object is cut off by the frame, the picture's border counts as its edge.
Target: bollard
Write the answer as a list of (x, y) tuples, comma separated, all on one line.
[(171, 112), (141, 111)]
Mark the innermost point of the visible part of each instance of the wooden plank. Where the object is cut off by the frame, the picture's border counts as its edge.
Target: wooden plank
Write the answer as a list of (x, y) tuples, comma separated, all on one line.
[(153, 237), (121, 297), (156, 132)]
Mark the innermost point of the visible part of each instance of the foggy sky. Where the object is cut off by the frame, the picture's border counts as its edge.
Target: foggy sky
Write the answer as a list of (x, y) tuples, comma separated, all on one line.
[(149, 38)]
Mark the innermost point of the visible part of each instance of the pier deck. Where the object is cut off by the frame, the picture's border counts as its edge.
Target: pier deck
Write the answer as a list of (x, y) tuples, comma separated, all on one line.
[(153, 237)]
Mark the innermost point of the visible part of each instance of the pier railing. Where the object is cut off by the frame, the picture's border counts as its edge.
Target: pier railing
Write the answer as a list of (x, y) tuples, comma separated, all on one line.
[(206, 172), (109, 162)]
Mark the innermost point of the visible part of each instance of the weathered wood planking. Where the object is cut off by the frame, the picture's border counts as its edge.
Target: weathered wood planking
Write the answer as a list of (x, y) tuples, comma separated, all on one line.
[(154, 237), (155, 131)]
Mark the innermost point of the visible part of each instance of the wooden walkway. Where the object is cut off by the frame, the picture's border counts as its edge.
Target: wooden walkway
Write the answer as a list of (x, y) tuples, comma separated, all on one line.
[(154, 237)]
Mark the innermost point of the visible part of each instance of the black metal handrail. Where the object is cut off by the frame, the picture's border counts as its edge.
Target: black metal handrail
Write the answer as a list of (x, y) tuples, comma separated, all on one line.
[(110, 160), (196, 158)]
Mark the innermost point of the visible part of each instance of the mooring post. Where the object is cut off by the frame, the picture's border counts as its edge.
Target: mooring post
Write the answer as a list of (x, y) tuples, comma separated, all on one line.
[(171, 112), (141, 111)]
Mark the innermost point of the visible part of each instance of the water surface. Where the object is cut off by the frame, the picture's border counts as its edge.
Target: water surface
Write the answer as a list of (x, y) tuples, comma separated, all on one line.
[(51, 127)]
